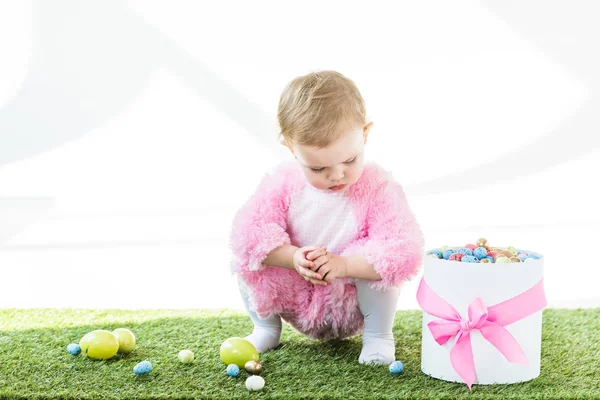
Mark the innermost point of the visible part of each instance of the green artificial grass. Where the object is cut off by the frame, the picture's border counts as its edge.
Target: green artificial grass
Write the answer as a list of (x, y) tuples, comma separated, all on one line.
[(34, 362)]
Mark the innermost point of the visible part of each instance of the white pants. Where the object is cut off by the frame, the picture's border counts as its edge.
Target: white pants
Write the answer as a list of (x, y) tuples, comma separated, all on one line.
[(377, 306)]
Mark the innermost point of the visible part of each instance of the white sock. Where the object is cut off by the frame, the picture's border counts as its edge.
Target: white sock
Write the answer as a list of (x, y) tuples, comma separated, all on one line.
[(377, 350), (379, 309), (264, 338), (267, 332)]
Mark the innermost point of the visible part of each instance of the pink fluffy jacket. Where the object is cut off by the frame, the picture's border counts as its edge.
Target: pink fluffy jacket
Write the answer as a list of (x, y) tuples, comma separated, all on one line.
[(389, 237)]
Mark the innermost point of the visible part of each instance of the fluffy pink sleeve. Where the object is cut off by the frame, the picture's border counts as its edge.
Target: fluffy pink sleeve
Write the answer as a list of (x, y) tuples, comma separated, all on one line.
[(260, 225), (394, 242)]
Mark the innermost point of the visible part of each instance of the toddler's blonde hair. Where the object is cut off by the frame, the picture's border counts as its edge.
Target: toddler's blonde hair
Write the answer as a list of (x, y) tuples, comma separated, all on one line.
[(315, 109)]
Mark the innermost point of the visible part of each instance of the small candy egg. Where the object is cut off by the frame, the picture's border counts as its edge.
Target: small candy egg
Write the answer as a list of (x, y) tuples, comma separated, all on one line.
[(74, 349), (471, 247), (480, 252), (186, 356), (142, 368), (520, 255), (456, 257), (396, 367), (448, 253), (466, 251), (255, 383), (482, 242), (233, 370), (491, 253), (503, 260), (485, 261), (515, 259), (470, 259), (254, 367), (490, 259), (512, 250), (436, 252)]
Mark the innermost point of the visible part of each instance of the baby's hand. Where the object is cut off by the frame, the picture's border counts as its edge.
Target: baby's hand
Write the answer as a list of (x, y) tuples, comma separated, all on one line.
[(330, 266), (316, 253), (303, 266)]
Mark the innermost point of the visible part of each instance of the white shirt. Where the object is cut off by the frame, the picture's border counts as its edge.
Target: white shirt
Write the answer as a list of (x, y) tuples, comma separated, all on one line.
[(320, 218)]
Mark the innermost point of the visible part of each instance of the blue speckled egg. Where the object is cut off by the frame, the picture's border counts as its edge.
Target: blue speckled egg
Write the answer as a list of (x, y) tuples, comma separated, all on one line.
[(448, 253), (480, 252), (437, 252), (466, 251), (74, 349), (233, 370), (470, 259), (142, 368), (396, 367)]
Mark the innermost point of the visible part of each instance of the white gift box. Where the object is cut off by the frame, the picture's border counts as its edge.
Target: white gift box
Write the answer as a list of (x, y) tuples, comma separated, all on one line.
[(459, 284)]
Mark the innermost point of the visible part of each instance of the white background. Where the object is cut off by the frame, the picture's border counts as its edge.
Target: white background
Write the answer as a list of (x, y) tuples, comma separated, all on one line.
[(131, 132)]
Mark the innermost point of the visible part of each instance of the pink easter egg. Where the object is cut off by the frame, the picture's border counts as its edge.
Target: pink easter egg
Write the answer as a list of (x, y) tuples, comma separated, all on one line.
[(471, 246), (456, 257)]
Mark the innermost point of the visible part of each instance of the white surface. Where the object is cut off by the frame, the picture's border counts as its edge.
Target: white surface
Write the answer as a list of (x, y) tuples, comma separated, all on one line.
[(153, 133), (461, 283)]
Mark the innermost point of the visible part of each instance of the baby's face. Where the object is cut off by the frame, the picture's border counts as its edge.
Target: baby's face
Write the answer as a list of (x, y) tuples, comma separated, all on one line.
[(336, 167)]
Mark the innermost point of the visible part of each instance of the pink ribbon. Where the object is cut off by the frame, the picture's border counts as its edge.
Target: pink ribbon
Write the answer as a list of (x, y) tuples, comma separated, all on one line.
[(490, 322)]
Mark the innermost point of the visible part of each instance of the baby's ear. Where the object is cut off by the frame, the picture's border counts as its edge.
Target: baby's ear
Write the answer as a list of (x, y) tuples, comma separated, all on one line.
[(366, 131), (286, 144)]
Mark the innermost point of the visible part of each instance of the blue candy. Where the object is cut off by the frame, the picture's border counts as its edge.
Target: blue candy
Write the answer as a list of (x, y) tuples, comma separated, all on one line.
[(142, 368), (466, 251), (396, 367), (438, 253), (470, 259), (74, 349), (233, 370), (534, 256), (480, 252), (448, 253)]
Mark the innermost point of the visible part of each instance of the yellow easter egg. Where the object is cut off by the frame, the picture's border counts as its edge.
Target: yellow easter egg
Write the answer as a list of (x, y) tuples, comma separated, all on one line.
[(238, 351), (99, 345), (126, 340)]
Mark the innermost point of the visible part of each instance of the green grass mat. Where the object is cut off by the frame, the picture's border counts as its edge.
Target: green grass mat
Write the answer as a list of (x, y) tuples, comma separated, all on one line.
[(34, 362)]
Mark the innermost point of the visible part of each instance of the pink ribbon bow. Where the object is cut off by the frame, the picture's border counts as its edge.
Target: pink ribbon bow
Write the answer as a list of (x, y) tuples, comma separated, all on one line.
[(490, 322)]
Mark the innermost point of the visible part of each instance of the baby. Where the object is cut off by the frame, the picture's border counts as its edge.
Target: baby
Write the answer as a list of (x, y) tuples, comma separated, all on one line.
[(326, 240)]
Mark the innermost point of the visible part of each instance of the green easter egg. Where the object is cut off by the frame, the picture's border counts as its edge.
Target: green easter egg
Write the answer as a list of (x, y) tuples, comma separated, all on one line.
[(238, 351)]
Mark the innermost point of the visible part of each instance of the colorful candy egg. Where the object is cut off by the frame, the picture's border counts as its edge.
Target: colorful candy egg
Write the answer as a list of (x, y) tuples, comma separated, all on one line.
[(456, 257), (254, 367), (470, 259), (436, 253), (466, 251), (448, 253), (471, 247), (480, 252), (482, 242)]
